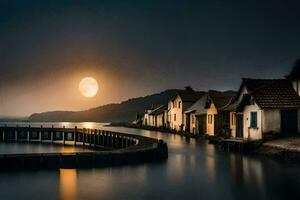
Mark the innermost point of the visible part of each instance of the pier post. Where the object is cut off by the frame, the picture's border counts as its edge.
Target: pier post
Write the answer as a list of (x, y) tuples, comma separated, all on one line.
[(116, 141), (98, 137), (83, 137), (63, 134), (95, 132), (4, 132), (107, 139), (28, 134), (16, 133), (52, 134), (112, 140), (75, 135), (41, 134), (90, 136), (101, 138), (104, 138), (122, 140)]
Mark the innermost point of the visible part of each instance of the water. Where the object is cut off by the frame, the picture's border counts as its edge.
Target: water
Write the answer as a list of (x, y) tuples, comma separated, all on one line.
[(20, 148), (194, 170)]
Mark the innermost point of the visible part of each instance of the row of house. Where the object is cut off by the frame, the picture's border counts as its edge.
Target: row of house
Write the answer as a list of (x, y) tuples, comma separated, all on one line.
[(259, 107)]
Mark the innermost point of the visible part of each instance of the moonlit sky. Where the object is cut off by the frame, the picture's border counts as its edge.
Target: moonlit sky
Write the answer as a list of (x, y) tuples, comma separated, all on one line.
[(135, 48)]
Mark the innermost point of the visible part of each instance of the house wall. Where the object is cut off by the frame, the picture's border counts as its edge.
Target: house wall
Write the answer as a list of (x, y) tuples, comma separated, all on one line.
[(166, 118), (151, 120), (184, 121), (233, 117), (210, 126), (233, 124), (146, 119), (271, 121), (252, 133), (160, 120), (175, 110)]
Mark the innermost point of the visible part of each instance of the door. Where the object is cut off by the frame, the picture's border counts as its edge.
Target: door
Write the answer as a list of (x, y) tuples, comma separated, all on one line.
[(239, 125), (216, 124), (289, 121), (202, 124), (187, 122)]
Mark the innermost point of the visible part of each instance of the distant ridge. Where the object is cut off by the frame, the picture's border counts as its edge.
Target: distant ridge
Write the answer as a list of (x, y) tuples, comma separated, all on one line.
[(123, 112)]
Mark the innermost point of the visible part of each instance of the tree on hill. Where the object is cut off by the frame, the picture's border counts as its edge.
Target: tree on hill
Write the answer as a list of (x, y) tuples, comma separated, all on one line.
[(295, 72), (188, 88)]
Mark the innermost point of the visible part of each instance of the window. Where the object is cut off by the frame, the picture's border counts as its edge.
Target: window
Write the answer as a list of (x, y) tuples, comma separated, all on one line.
[(253, 120), (210, 119), (233, 119), (174, 117), (193, 119), (179, 104)]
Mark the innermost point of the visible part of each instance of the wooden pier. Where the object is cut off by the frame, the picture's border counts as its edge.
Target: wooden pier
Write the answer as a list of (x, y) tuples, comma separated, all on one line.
[(236, 144), (120, 148)]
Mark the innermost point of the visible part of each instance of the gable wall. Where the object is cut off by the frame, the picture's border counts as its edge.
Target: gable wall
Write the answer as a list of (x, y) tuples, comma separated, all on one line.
[(233, 124), (160, 120), (249, 132), (176, 124), (210, 127)]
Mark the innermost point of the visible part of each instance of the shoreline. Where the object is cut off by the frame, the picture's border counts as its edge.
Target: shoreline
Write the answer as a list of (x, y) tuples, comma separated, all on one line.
[(283, 149), (150, 128), (267, 149), (276, 154)]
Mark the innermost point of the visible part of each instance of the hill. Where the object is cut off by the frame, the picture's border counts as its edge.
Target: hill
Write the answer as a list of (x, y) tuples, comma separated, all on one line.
[(122, 112)]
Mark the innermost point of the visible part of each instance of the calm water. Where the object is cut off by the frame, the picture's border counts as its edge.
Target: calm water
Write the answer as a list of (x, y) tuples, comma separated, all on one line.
[(194, 170)]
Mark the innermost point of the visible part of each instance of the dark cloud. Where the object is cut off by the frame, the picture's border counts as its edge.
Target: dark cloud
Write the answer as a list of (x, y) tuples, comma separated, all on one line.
[(149, 45)]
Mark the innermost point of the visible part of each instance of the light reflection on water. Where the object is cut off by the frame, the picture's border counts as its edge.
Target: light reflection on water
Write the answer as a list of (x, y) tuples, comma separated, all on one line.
[(194, 170), (67, 184)]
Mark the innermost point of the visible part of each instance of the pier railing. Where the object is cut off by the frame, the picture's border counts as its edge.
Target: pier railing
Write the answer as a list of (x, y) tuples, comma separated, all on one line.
[(109, 148)]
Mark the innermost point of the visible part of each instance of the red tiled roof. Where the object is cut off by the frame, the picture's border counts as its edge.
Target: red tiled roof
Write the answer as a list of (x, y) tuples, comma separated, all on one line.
[(273, 93), (221, 99)]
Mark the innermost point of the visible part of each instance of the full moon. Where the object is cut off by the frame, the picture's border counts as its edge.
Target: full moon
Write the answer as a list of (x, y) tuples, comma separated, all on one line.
[(88, 87)]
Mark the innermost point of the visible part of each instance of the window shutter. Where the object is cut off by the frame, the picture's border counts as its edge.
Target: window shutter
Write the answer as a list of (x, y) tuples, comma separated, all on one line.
[(254, 119)]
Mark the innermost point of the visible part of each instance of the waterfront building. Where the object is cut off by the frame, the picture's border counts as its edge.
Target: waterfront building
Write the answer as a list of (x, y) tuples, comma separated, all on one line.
[(196, 122), (158, 116), (206, 116), (148, 119), (264, 106), (178, 105)]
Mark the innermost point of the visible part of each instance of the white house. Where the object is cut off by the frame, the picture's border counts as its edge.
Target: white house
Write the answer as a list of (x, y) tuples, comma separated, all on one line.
[(264, 106), (177, 105), (195, 116), (148, 119), (158, 116), (207, 115)]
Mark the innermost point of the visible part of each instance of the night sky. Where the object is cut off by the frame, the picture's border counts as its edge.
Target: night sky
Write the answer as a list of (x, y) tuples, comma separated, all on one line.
[(135, 48)]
